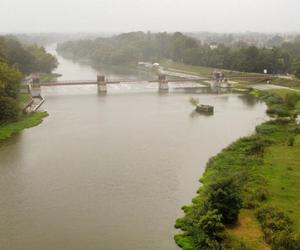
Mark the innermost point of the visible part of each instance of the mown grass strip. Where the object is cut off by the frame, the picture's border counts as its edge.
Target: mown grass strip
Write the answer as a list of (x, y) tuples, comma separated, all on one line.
[(27, 121)]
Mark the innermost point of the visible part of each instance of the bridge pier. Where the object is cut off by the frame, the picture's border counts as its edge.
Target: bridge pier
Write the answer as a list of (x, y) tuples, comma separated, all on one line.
[(101, 83), (163, 84), (35, 87)]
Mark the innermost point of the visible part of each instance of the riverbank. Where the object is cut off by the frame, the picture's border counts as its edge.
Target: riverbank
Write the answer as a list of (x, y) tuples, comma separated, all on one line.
[(200, 71), (26, 121), (265, 169)]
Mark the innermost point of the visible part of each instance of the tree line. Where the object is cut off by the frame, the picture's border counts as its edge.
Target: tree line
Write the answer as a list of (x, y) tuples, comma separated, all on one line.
[(132, 47), (27, 59), (16, 61)]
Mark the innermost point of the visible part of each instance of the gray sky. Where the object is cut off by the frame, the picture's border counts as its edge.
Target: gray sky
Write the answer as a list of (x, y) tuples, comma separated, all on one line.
[(154, 15)]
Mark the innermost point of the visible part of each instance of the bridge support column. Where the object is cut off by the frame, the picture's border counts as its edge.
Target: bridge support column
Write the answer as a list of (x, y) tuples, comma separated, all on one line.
[(163, 84), (35, 88), (101, 83)]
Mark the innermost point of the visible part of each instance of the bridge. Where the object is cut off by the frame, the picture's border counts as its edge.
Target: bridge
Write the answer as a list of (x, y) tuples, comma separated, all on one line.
[(163, 82)]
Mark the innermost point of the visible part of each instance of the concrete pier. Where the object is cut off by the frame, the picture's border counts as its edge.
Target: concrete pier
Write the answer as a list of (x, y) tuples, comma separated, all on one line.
[(163, 84), (35, 87), (101, 83)]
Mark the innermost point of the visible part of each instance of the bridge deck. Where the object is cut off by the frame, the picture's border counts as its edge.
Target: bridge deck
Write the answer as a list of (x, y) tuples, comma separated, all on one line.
[(91, 82)]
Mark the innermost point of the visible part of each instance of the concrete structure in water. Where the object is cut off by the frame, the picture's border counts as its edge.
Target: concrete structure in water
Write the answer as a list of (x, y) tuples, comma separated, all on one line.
[(35, 87), (163, 84), (102, 84)]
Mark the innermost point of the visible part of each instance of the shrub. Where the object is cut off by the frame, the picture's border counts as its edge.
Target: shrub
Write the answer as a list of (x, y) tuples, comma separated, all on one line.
[(9, 109), (277, 228), (279, 121), (266, 129), (279, 110), (224, 196), (208, 231), (255, 145), (291, 99)]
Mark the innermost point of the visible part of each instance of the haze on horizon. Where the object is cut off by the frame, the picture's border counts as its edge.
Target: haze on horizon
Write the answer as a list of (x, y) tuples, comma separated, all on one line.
[(19, 16)]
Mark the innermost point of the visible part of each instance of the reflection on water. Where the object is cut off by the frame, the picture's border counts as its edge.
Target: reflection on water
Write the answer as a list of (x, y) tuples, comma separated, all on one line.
[(111, 172)]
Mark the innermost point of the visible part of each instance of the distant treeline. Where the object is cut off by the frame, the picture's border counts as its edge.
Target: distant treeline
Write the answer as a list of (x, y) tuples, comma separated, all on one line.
[(17, 60), (27, 59), (139, 46)]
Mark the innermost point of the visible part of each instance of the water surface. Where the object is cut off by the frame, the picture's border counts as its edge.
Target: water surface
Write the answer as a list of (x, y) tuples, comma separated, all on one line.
[(112, 172)]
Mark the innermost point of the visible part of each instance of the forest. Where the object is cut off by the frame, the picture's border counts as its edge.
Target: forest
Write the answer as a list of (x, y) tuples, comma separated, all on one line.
[(129, 48), (17, 61)]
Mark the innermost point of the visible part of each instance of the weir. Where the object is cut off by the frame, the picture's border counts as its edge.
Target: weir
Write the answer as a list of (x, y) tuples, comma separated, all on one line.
[(163, 84), (34, 85), (101, 84)]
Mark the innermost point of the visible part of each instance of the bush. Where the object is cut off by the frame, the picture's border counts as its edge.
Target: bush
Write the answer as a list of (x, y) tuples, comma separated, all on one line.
[(9, 109), (291, 141), (279, 110), (266, 129), (255, 145), (277, 228), (207, 232), (279, 121), (224, 196), (291, 99)]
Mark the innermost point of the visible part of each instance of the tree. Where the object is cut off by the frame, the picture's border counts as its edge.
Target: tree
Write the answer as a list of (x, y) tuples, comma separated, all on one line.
[(43, 61), (9, 90), (27, 59), (208, 231), (224, 196), (9, 81)]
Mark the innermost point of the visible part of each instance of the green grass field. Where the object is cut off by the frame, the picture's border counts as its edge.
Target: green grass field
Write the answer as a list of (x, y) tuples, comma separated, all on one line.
[(27, 121), (206, 72), (201, 71), (282, 170), (247, 231)]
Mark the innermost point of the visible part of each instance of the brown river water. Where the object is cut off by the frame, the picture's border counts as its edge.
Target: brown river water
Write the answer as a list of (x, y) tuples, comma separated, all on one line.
[(112, 172)]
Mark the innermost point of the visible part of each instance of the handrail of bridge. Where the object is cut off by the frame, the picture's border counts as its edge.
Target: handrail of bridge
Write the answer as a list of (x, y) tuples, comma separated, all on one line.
[(119, 81)]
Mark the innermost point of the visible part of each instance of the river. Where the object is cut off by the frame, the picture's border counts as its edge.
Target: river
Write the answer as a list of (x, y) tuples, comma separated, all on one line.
[(111, 172)]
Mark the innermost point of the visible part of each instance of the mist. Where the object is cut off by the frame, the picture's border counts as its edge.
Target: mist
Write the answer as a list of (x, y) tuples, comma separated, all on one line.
[(155, 15)]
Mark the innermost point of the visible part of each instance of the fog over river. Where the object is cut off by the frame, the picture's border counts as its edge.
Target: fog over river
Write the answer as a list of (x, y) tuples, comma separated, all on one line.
[(112, 171)]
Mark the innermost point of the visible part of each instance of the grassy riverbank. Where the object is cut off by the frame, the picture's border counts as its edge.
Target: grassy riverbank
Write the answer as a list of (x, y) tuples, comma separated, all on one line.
[(27, 121), (7, 129), (200, 70), (207, 72), (265, 170)]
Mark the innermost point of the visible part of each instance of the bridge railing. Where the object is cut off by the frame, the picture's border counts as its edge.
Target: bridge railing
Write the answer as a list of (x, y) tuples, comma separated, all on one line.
[(120, 81)]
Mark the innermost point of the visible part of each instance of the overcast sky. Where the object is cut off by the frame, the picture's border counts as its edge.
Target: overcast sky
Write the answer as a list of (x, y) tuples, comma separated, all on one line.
[(154, 15)]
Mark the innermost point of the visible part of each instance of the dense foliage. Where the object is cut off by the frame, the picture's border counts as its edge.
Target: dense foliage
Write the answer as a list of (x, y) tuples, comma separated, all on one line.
[(28, 59), (9, 89), (139, 46), (278, 229), (204, 221), (17, 60)]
